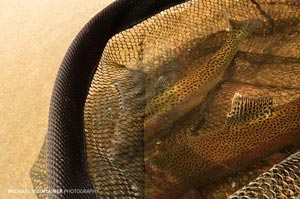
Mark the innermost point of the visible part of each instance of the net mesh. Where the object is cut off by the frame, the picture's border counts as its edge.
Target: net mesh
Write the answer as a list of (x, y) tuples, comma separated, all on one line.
[(281, 181), (171, 45), (38, 173)]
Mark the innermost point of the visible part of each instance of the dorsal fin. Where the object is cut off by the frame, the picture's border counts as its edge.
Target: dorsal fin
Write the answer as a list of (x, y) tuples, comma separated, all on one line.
[(244, 109)]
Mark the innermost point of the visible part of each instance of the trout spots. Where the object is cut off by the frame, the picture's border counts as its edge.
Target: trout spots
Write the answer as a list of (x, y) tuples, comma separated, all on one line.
[(193, 89), (249, 138)]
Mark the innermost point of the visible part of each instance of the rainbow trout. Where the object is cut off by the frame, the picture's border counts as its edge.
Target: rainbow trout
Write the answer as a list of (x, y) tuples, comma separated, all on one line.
[(167, 107), (254, 130)]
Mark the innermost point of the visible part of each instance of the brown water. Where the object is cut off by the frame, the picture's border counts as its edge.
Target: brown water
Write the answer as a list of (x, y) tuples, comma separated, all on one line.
[(34, 38)]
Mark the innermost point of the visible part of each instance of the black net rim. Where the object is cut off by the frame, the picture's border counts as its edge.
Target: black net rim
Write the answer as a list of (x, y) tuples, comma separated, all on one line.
[(66, 161)]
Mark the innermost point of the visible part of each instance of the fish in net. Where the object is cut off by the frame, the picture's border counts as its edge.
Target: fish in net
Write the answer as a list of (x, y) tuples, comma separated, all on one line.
[(97, 124)]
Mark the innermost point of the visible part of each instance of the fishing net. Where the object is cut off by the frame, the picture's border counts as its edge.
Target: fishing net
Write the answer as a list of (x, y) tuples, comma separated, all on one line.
[(132, 51), (281, 181)]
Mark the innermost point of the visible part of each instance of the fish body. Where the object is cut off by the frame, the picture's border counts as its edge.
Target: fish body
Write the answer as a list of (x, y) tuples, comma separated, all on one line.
[(254, 131), (167, 107)]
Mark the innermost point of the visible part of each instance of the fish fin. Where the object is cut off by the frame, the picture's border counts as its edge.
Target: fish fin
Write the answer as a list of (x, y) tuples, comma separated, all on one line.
[(162, 84), (244, 109)]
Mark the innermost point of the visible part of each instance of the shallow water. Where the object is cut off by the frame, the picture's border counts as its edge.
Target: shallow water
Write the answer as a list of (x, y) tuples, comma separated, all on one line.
[(34, 38), (35, 41)]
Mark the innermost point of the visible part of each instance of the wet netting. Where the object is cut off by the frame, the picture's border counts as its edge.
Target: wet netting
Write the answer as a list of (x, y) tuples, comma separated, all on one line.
[(177, 99)]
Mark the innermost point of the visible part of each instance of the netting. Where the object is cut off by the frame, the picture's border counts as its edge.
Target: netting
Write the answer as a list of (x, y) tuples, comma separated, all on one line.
[(155, 116), (281, 181)]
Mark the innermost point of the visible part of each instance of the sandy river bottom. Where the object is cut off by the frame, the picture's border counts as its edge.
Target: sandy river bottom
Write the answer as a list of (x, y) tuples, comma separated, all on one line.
[(34, 38)]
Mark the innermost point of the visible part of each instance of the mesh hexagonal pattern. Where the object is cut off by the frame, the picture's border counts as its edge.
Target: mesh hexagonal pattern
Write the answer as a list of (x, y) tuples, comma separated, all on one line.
[(281, 181), (96, 132)]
